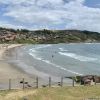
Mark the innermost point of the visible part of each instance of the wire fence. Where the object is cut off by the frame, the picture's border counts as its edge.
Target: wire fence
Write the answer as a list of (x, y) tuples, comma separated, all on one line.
[(22, 83), (37, 82)]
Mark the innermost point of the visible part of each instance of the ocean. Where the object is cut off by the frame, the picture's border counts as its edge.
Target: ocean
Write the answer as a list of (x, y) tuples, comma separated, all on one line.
[(58, 60)]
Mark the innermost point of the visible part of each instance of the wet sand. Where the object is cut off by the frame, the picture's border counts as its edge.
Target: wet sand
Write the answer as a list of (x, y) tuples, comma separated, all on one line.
[(10, 71)]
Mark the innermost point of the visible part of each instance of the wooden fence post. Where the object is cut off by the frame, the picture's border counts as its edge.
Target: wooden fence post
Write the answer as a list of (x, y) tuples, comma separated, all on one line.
[(49, 81), (61, 81), (37, 82), (9, 84), (23, 83), (73, 81), (95, 79)]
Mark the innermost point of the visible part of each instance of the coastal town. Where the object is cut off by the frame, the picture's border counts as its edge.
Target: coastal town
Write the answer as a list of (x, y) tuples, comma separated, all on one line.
[(47, 36)]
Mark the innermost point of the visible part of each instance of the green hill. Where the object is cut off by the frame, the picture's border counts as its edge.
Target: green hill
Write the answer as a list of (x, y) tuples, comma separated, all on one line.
[(47, 36)]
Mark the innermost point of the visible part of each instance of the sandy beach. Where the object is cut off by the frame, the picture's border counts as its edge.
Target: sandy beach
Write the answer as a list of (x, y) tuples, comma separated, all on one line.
[(9, 71)]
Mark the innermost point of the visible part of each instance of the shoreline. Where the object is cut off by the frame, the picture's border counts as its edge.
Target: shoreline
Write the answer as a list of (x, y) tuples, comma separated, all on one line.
[(10, 70), (7, 70), (7, 47)]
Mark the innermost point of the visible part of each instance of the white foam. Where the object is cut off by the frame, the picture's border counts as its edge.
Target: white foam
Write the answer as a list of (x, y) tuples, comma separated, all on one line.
[(62, 49), (32, 50), (88, 43), (62, 68), (38, 47), (33, 55), (55, 65), (46, 61), (78, 57), (42, 46)]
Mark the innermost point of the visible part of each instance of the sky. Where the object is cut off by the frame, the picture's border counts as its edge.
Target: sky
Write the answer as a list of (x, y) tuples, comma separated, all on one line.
[(50, 14)]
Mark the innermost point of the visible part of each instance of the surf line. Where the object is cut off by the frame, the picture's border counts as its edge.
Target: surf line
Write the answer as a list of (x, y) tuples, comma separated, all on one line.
[(42, 46), (57, 66), (78, 57)]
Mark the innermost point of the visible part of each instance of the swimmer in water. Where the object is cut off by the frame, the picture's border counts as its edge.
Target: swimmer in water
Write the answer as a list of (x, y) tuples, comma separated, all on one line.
[(52, 56)]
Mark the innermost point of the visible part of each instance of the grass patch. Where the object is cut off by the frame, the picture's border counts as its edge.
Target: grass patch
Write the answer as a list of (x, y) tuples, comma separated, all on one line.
[(65, 93)]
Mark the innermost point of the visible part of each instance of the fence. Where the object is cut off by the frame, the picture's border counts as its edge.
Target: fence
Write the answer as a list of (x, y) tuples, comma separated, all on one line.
[(22, 83)]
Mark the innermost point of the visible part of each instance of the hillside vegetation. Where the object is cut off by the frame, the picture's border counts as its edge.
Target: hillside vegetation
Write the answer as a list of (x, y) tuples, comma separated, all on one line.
[(47, 36), (65, 93)]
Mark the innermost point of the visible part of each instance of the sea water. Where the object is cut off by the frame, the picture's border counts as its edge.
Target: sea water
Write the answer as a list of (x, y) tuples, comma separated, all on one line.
[(58, 60)]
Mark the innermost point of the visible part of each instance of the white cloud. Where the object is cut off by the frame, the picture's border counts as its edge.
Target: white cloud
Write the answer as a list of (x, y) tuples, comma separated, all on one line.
[(71, 14), (9, 25)]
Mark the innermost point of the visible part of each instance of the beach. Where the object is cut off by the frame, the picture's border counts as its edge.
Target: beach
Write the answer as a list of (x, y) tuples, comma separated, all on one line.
[(9, 71), (47, 60)]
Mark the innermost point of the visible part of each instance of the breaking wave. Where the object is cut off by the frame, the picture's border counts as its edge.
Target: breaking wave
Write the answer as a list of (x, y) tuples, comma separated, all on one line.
[(62, 49), (78, 57), (55, 65)]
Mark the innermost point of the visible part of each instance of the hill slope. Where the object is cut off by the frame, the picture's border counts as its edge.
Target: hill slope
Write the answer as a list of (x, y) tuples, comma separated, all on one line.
[(47, 36)]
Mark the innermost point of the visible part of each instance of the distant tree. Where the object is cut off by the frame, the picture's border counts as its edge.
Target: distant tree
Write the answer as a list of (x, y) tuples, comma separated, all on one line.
[(24, 30)]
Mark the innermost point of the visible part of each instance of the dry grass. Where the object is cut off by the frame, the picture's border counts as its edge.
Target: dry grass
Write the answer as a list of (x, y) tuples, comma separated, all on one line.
[(65, 93)]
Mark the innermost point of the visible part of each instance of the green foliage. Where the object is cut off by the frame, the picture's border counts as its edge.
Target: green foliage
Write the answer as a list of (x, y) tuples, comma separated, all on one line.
[(51, 36), (78, 79)]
